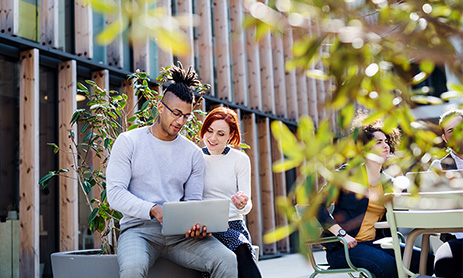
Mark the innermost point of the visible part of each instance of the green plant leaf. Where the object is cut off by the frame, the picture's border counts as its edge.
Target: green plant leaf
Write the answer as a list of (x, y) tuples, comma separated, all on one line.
[(46, 179)]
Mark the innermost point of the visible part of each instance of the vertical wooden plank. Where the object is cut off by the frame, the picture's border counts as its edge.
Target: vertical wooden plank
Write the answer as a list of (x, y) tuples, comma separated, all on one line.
[(255, 216), (101, 78), (68, 204), (205, 49), (49, 23), (290, 78), (279, 180), (266, 182), (301, 79), (279, 81), (238, 52), (302, 101), (29, 203), (114, 50), (266, 74), (222, 53), (254, 82), (312, 91), (83, 29), (321, 91), (185, 9), (141, 48), (9, 17), (165, 57), (132, 102), (312, 98)]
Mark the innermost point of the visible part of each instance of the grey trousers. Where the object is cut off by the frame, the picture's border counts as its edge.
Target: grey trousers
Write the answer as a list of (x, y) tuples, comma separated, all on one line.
[(141, 244)]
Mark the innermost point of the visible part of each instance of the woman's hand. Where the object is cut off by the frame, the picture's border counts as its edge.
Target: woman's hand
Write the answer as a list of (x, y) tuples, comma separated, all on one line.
[(351, 242), (240, 200)]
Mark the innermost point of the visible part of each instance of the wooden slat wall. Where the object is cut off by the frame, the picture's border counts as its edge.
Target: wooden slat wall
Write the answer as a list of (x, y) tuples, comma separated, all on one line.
[(238, 53), (290, 78), (185, 9), (131, 107), (312, 93), (114, 51), (266, 74), (222, 50), (29, 204), (165, 57), (266, 182), (321, 91), (141, 50), (255, 216), (9, 17), (101, 78), (302, 101), (83, 29), (279, 181), (205, 50), (279, 80), (68, 207), (252, 54), (49, 23)]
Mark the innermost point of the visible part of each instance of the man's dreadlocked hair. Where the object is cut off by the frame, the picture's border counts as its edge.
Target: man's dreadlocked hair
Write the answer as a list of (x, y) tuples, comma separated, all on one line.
[(182, 81)]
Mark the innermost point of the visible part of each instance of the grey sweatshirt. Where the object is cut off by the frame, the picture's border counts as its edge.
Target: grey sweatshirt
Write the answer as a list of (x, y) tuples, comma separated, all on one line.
[(143, 171)]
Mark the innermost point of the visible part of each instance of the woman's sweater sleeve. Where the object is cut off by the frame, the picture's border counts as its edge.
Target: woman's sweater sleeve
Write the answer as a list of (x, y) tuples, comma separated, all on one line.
[(243, 179)]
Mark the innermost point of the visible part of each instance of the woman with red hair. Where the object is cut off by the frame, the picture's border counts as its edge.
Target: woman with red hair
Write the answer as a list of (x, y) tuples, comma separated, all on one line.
[(228, 176)]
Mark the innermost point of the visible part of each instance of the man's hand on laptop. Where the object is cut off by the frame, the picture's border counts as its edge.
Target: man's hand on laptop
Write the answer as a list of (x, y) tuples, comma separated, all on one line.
[(156, 212), (196, 233)]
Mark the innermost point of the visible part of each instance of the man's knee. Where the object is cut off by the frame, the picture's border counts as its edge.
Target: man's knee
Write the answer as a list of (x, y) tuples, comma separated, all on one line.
[(133, 267), (133, 270)]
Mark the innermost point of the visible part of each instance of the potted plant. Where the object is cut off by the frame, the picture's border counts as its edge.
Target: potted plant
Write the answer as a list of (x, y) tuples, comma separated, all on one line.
[(107, 116), (12, 212)]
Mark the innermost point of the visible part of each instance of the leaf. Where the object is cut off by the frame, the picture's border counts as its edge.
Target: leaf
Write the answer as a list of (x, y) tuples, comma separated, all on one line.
[(427, 66), (145, 105), (87, 186), (133, 127), (82, 88), (306, 129), (55, 147), (154, 112), (171, 40), (284, 165), (46, 179), (84, 128), (110, 33), (317, 74), (278, 234)]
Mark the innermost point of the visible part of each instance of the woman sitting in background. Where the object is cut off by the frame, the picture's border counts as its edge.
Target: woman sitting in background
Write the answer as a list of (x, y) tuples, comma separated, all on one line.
[(353, 216)]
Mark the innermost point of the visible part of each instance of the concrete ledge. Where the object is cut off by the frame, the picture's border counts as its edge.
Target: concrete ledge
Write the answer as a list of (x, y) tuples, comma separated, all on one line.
[(89, 263)]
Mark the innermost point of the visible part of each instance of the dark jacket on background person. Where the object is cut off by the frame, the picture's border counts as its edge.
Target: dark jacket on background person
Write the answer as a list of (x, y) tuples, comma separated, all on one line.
[(348, 212)]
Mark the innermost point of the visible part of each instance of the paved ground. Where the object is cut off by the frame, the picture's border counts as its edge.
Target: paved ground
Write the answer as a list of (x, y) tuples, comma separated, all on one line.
[(292, 266)]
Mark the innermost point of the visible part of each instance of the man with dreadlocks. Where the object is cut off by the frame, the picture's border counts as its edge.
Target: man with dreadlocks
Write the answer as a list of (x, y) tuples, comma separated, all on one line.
[(153, 165)]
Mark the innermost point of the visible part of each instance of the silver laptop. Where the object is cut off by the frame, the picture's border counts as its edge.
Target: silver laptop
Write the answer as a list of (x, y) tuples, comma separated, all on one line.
[(179, 217)]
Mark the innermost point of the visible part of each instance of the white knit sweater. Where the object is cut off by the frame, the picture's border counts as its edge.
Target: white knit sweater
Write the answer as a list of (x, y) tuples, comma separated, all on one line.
[(226, 174)]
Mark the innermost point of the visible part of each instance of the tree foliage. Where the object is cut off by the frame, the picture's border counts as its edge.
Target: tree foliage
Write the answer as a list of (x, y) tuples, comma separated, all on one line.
[(372, 53)]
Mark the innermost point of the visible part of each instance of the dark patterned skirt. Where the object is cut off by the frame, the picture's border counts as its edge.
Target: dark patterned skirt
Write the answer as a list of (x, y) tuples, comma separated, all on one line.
[(236, 235)]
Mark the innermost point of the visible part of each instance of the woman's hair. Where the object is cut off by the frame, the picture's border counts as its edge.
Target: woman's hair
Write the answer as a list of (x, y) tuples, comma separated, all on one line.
[(181, 82), (366, 132), (230, 117)]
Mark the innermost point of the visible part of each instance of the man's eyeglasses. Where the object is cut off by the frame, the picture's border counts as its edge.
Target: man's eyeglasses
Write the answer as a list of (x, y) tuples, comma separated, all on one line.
[(177, 114)]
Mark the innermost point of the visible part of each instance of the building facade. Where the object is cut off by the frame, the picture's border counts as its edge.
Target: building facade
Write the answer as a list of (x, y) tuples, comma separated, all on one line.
[(47, 46)]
